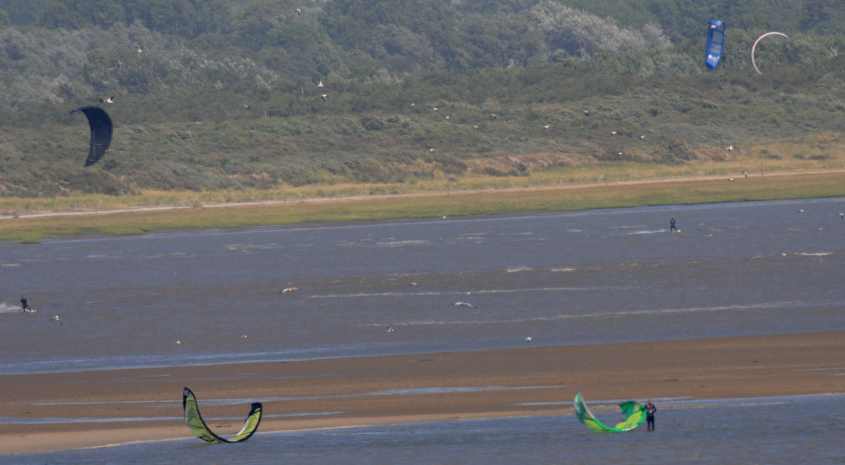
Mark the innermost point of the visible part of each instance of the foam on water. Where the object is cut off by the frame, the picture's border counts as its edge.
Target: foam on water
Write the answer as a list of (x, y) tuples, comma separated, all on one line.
[(409, 243), (519, 269), (646, 232), (815, 254), (7, 308)]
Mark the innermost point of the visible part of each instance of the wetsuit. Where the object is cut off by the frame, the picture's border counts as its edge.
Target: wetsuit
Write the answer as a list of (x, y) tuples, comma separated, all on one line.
[(24, 304), (650, 410), (672, 226)]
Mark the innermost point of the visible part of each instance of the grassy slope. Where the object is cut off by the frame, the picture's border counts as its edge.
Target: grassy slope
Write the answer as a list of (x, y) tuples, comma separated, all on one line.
[(184, 127)]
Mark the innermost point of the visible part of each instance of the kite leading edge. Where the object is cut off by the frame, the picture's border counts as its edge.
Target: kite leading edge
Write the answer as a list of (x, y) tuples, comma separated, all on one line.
[(200, 429), (634, 413)]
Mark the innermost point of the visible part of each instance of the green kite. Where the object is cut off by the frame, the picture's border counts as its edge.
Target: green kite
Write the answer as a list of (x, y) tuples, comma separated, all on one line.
[(194, 420), (633, 411)]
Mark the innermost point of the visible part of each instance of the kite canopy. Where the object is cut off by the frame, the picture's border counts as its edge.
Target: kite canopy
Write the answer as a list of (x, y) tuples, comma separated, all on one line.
[(756, 42), (715, 43), (101, 133), (194, 420), (634, 414)]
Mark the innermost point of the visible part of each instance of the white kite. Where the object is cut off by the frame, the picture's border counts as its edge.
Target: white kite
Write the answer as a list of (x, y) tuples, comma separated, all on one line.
[(756, 42)]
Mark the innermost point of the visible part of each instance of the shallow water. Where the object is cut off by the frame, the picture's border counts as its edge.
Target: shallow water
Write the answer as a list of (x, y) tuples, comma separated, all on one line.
[(390, 288), (773, 431)]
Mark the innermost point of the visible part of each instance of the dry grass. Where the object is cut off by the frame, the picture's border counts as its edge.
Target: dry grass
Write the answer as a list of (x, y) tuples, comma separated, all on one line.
[(820, 152), (434, 205)]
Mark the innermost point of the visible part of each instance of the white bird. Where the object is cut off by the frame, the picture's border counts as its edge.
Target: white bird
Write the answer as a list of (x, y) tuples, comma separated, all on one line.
[(613, 133), (435, 109), (443, 217), (493, 116), (289, 290), (448, 117), (432, 150), (475, 126), (731, 179), (801, 211), (299, 11), (244, 336), (56, 318), (178, 342), (842, 216), (109, 99), (390, 330), (414, 284), (642, 137), (464, 304), (529, 339), (324, 97), (321, 85), (586, 112), (547, 126), (730, 148), (140, 50), (413, 104)]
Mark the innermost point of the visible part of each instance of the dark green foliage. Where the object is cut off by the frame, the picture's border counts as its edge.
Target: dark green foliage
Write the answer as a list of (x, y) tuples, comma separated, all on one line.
[(497, 70)]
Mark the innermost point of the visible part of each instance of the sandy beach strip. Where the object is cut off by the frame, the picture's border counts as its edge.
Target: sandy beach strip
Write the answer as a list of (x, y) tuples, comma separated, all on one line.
[(45, 412)]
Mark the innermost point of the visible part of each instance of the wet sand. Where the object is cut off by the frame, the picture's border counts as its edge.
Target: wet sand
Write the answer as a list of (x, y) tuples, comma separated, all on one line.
[(145, 404)]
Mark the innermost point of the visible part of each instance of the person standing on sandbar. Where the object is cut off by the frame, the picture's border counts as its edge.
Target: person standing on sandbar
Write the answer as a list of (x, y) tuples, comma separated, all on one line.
[(650, 410)]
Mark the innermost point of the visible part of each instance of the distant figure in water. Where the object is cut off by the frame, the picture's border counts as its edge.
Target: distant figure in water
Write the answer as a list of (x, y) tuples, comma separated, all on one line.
[(25, 304), (673, 225), (650, 410)]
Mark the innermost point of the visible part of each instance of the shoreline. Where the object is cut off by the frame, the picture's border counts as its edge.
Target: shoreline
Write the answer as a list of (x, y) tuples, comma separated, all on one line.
[(427, 205), (411, 388), (409, 195)]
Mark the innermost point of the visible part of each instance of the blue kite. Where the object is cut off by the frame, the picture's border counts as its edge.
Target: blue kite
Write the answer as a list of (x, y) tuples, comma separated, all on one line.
[(715, 43)]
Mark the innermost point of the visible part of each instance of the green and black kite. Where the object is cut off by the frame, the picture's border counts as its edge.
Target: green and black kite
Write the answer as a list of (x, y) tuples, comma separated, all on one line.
[(634, 413), (194, 420)]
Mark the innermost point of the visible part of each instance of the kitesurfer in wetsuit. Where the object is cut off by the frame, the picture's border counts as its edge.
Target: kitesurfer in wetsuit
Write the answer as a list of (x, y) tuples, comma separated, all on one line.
[(25, 304), (672, 225), (650, 410)]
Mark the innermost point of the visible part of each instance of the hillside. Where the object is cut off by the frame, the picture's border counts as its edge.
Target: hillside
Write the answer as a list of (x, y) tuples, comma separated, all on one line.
[(224, 94)]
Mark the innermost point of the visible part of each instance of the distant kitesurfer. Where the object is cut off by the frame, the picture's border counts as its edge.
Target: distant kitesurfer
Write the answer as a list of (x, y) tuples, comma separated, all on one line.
[(673, 225), (650, 410), (25, 305)]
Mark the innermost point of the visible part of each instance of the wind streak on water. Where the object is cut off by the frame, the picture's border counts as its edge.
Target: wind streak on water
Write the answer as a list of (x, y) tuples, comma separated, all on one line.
[(472, 292), (621, 314), (434, 390)]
